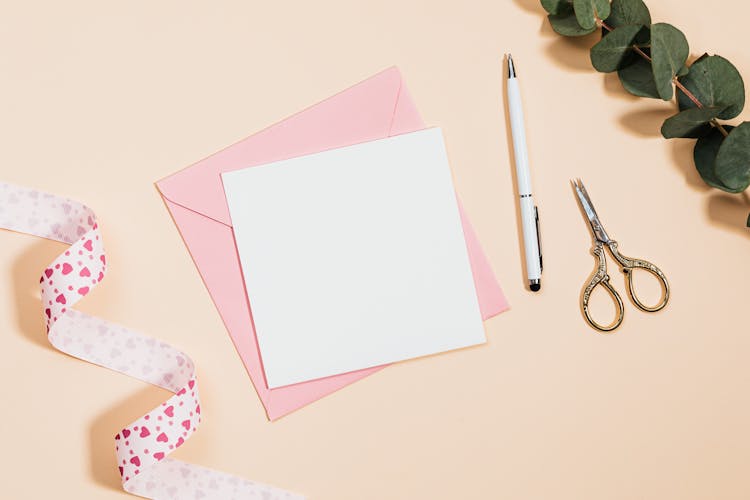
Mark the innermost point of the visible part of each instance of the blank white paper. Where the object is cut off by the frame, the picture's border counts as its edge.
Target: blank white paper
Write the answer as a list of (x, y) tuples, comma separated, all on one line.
[(354, 257)]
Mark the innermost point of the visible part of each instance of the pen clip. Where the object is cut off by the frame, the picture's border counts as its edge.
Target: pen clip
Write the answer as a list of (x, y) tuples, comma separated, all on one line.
[(538, 237)]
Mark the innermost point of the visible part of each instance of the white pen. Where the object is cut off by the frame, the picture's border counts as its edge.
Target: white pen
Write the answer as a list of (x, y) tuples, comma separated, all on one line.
[(529, 211)]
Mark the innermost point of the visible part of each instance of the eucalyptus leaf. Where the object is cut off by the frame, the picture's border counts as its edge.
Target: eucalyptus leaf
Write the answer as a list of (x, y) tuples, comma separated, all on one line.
[(587, 11), (732, 166), (613, 51), (628, 12), (669, 51), (638, 79), (566, 24), (714, 81), (693, 122), (704, 154), (555, 6)]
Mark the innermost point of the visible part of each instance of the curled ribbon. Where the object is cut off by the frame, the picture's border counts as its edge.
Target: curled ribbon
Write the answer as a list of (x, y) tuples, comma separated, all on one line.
[(142, 448)]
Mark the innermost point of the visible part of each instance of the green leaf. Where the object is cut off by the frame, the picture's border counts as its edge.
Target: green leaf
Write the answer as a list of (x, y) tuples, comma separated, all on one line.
[(555, 6), (732, 165), (669, 51), (690, 123), (566, 24), (587, 11), (629, 12), (704, 154), (615, 50), (714, 81), (638, 79)]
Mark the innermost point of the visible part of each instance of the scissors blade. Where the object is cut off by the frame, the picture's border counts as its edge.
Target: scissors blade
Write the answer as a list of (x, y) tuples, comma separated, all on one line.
[(588, 208)]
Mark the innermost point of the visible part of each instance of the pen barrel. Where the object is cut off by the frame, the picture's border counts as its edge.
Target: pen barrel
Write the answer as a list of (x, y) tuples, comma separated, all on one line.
[(529, 214)]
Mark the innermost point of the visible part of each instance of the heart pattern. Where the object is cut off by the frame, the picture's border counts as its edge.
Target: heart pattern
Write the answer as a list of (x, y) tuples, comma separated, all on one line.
[(142, 447)]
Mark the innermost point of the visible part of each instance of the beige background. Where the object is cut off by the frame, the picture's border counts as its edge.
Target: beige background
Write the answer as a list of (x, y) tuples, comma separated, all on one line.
[(100, 99)]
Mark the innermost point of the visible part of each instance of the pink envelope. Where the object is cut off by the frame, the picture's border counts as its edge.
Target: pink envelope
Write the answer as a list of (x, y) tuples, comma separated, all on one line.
[(376, 108)]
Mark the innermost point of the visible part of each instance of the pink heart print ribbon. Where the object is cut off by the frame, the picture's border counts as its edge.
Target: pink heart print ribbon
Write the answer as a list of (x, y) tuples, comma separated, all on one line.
[(142, 448)]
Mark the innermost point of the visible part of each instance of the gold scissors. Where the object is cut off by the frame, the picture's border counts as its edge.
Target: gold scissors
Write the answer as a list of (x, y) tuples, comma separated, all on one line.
[(627, 266)]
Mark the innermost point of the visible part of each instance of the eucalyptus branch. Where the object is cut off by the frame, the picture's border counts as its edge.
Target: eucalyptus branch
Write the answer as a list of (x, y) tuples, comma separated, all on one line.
[(706, 91)]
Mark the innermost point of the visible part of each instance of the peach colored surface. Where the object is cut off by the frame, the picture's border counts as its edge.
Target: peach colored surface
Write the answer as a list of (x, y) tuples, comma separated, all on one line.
[(100, 99)]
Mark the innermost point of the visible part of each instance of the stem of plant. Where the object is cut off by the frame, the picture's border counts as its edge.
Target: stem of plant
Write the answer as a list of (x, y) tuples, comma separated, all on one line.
[(677, 83)]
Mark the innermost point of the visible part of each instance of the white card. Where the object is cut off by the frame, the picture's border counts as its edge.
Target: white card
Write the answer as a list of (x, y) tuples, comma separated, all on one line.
[(354, 257)]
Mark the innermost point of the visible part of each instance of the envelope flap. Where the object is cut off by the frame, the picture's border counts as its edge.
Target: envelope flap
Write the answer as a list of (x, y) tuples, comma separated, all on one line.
[(364, 112)]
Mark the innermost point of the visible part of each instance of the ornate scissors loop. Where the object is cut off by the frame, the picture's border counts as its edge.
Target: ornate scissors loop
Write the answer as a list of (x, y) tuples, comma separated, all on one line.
[(627, 266)]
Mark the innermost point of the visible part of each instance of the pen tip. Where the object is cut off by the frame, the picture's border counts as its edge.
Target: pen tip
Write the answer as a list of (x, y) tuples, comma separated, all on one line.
[(511, 67)]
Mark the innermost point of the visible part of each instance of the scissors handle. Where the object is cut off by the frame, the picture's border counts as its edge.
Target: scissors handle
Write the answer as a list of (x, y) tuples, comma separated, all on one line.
[(628, 266), (601, 278)]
